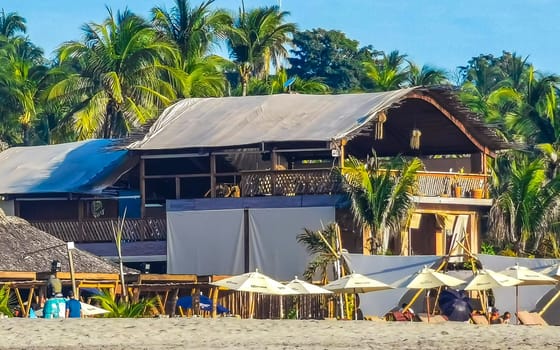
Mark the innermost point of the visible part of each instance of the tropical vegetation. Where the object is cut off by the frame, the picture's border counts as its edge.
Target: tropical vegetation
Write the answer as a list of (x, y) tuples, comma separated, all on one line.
[(124, 70), (124, 309)]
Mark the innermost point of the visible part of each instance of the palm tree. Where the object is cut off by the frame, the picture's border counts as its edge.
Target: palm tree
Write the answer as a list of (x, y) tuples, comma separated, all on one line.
[(277, 85), (22, 79), (6, 301), (322, 245), (11, 23), (425, 75), (526, 201), (193, 29), (124, 309), (116, 79), (389, 72), (256, 38), (381, 195)]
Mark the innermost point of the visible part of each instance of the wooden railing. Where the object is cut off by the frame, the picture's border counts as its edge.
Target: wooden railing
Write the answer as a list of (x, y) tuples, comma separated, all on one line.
[(101, 230), (326, 181)]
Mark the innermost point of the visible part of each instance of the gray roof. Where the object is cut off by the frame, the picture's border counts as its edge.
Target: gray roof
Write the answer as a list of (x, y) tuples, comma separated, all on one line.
[(229, 122), (234, 121), (77, 167)]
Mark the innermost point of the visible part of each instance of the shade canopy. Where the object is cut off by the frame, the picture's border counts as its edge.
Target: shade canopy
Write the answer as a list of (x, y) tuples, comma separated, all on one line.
[(356, 283), (528, 276), (255, 282), (303, 287), (552, 271), (487, 279), (90, 310), (428, 278)]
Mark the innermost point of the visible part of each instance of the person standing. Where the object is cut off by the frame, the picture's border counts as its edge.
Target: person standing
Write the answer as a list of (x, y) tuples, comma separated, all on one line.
[(73, 307)]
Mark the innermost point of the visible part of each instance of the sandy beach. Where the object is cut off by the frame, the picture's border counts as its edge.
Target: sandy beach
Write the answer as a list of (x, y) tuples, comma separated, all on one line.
[(232, 333)]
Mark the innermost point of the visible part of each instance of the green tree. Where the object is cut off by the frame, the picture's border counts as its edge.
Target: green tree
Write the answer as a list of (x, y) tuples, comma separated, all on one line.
[(258, 38), (11, 24), (116, 79), (276, 84), (321, 245), (381, 195), (389, 72), (22, 79), (194, 29), (328, 56), (526, 201), (425, 75)]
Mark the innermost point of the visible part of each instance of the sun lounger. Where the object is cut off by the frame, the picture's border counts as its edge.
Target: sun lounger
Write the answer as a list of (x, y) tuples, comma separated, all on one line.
[(432, 318), (397, 316), (531, 319), (479, 319)]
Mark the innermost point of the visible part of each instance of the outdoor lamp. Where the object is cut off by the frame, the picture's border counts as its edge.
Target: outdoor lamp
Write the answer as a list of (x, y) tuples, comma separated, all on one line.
[(56, 266), (146, 267)]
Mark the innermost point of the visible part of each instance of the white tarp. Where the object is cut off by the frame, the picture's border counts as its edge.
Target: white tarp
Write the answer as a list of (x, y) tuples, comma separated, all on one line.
[(236, 121), (529, 296), (387, 269), (205, 242), (274, 249), (211, 242)]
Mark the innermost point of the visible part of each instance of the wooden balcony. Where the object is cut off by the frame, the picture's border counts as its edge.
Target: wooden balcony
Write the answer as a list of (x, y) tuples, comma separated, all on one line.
[(101, 230), (326, 181)]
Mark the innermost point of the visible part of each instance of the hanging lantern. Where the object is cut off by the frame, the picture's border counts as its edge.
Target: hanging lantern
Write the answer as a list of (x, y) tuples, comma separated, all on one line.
[(415, 139), (381, 119)]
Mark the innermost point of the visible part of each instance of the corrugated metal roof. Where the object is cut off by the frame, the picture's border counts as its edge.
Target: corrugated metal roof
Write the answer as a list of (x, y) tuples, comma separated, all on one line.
[(77, 167)]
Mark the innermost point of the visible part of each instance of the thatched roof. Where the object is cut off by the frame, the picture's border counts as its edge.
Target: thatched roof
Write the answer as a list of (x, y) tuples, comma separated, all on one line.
[(26, 248)]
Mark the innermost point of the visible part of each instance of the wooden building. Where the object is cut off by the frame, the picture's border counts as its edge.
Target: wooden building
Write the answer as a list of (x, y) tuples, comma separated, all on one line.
[(239, 151)]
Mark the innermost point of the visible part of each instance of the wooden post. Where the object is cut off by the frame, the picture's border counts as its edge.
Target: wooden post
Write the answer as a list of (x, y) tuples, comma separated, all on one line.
[(69, 247), (215, 292), (177, 187), (342, 152), (213, 175), (29, 301), (142, 188)]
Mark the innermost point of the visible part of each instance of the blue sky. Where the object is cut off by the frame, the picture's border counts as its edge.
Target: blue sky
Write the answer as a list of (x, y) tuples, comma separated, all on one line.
[(443, 33)]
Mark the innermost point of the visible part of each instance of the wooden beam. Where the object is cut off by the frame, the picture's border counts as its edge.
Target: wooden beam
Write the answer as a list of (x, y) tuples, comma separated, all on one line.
[(17, 275), (142, 188), (213, 175), (455, 121), (167, 278)]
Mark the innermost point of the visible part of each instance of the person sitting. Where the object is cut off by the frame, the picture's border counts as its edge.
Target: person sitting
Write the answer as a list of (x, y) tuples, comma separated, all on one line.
[(495, 316), (506, 317), (407, 311), (73, 307)]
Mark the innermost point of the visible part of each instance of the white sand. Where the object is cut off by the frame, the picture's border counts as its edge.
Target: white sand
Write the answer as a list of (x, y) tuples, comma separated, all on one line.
[(231, 333)]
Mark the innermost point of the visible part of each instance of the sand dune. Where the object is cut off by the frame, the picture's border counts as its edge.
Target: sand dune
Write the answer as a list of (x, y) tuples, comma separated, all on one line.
[(231, 333)]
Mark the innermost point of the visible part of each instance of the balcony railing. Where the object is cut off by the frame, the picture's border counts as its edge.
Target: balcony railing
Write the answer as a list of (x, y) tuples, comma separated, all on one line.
[(101, 230), (326, 181)]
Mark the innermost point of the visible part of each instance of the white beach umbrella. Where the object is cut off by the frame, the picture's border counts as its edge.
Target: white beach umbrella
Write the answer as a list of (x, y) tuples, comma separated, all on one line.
[(426, 279), (255, 282), (303, 287), (356, 283), (528, 278), (488, 279)]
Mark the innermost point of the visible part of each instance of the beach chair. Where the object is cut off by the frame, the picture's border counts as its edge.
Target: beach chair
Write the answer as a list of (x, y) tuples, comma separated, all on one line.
[(432, 319), (531, 319), (396, 316), (479, 319)]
